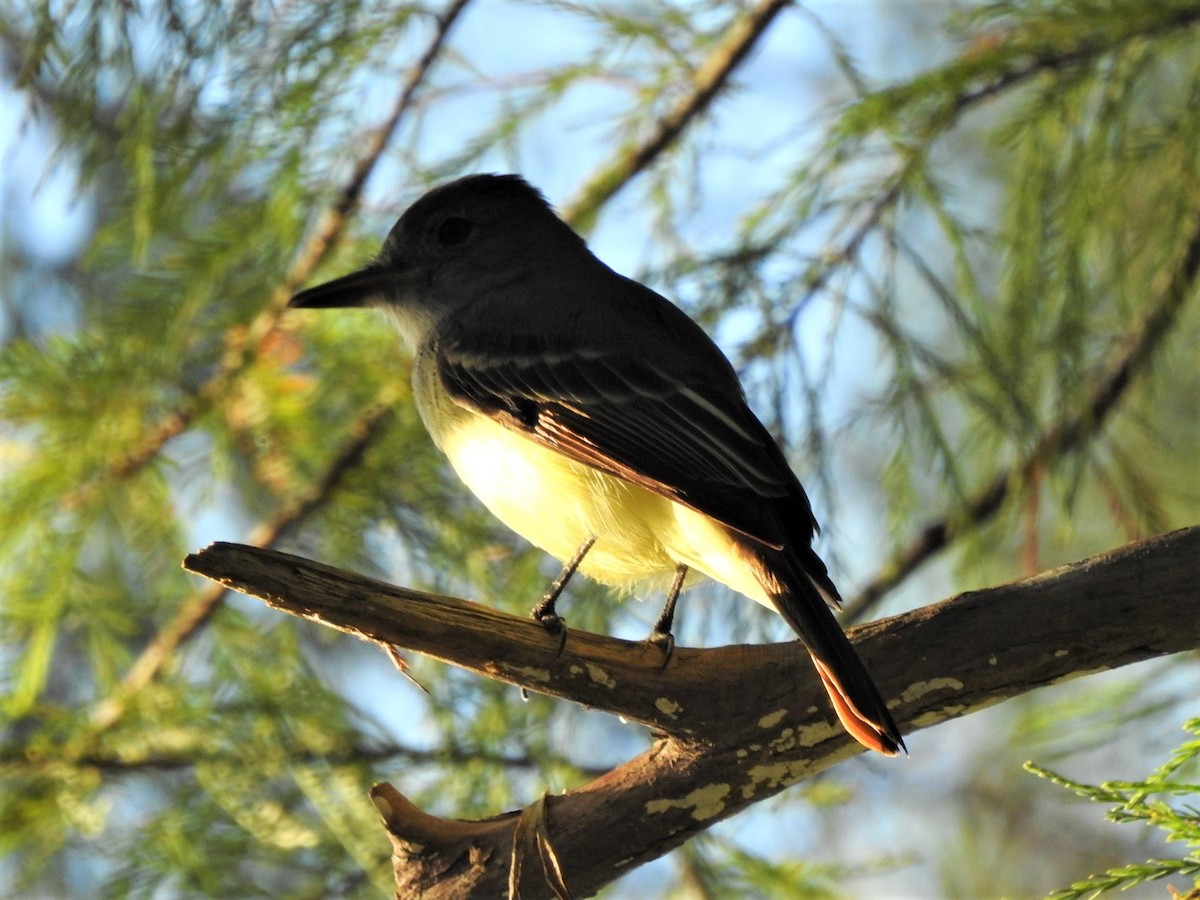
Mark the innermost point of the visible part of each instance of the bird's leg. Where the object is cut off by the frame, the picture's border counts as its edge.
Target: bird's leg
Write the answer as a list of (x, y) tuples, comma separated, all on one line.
[(661, 635), (544, 611)]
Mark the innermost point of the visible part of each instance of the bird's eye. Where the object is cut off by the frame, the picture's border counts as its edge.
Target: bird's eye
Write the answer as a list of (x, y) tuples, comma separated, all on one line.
[(454, 231)]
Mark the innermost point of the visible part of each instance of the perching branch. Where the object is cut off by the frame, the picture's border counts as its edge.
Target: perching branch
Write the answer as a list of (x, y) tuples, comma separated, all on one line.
[(741, 723)]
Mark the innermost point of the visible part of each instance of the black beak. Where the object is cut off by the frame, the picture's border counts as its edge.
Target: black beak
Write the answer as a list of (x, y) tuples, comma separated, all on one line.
[(356, 289)]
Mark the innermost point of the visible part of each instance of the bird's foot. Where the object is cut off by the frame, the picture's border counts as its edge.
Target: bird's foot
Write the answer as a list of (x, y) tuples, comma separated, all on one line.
[(554, 624), (661, 636), (664, 641)]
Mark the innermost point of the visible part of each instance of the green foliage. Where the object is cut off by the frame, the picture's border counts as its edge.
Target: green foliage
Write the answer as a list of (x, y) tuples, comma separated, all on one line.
[(1150, 803), (927, 263)]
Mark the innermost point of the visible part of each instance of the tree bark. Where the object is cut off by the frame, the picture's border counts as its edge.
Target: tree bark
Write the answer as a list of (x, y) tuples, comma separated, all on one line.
[(739, 723)]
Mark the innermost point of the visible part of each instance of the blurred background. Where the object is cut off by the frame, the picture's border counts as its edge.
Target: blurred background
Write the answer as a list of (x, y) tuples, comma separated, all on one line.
[(945, 244)]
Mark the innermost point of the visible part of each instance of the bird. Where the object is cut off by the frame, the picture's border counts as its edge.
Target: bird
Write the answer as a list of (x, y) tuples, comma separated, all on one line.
[(597, 420)]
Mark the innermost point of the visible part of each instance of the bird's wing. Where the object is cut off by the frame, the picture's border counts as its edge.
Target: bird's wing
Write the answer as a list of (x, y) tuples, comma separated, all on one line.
[(629, 407)]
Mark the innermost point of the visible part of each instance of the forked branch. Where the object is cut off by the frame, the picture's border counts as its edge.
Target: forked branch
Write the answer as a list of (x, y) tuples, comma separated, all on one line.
[(738, 724)]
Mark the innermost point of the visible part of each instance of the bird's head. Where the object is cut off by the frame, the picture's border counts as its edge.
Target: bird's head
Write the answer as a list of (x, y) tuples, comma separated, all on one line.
[(460, 241)]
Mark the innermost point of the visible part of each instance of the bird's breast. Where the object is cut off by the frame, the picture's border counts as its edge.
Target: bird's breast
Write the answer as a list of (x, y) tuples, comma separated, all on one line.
[(549, 499), (556, 503)]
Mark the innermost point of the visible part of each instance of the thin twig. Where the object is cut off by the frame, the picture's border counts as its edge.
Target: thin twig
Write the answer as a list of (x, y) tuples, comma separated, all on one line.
[(356, 754), (1044, 62), (197, 611), (333, 220), (241, 349), (709, 79), (1053, 444), (942, 119)]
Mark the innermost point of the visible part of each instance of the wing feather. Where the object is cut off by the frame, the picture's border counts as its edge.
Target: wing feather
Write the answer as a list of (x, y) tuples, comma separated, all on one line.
[(693, 439)]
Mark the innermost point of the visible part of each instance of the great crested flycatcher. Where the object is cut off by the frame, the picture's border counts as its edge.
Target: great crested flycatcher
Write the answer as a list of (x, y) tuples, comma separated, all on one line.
[(594, 418)]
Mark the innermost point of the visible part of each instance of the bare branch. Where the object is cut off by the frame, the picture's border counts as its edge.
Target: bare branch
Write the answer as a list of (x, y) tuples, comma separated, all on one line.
[(333, 220), (765, 729)]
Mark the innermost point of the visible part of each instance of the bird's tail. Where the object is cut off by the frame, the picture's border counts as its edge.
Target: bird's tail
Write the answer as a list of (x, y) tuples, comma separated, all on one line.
[(803, 593)]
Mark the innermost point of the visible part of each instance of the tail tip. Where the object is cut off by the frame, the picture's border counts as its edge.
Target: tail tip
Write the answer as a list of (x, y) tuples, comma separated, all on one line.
[(890, 745)]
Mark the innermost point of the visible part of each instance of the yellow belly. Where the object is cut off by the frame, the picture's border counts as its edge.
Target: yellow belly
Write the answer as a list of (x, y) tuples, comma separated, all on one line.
[(557, 504)]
